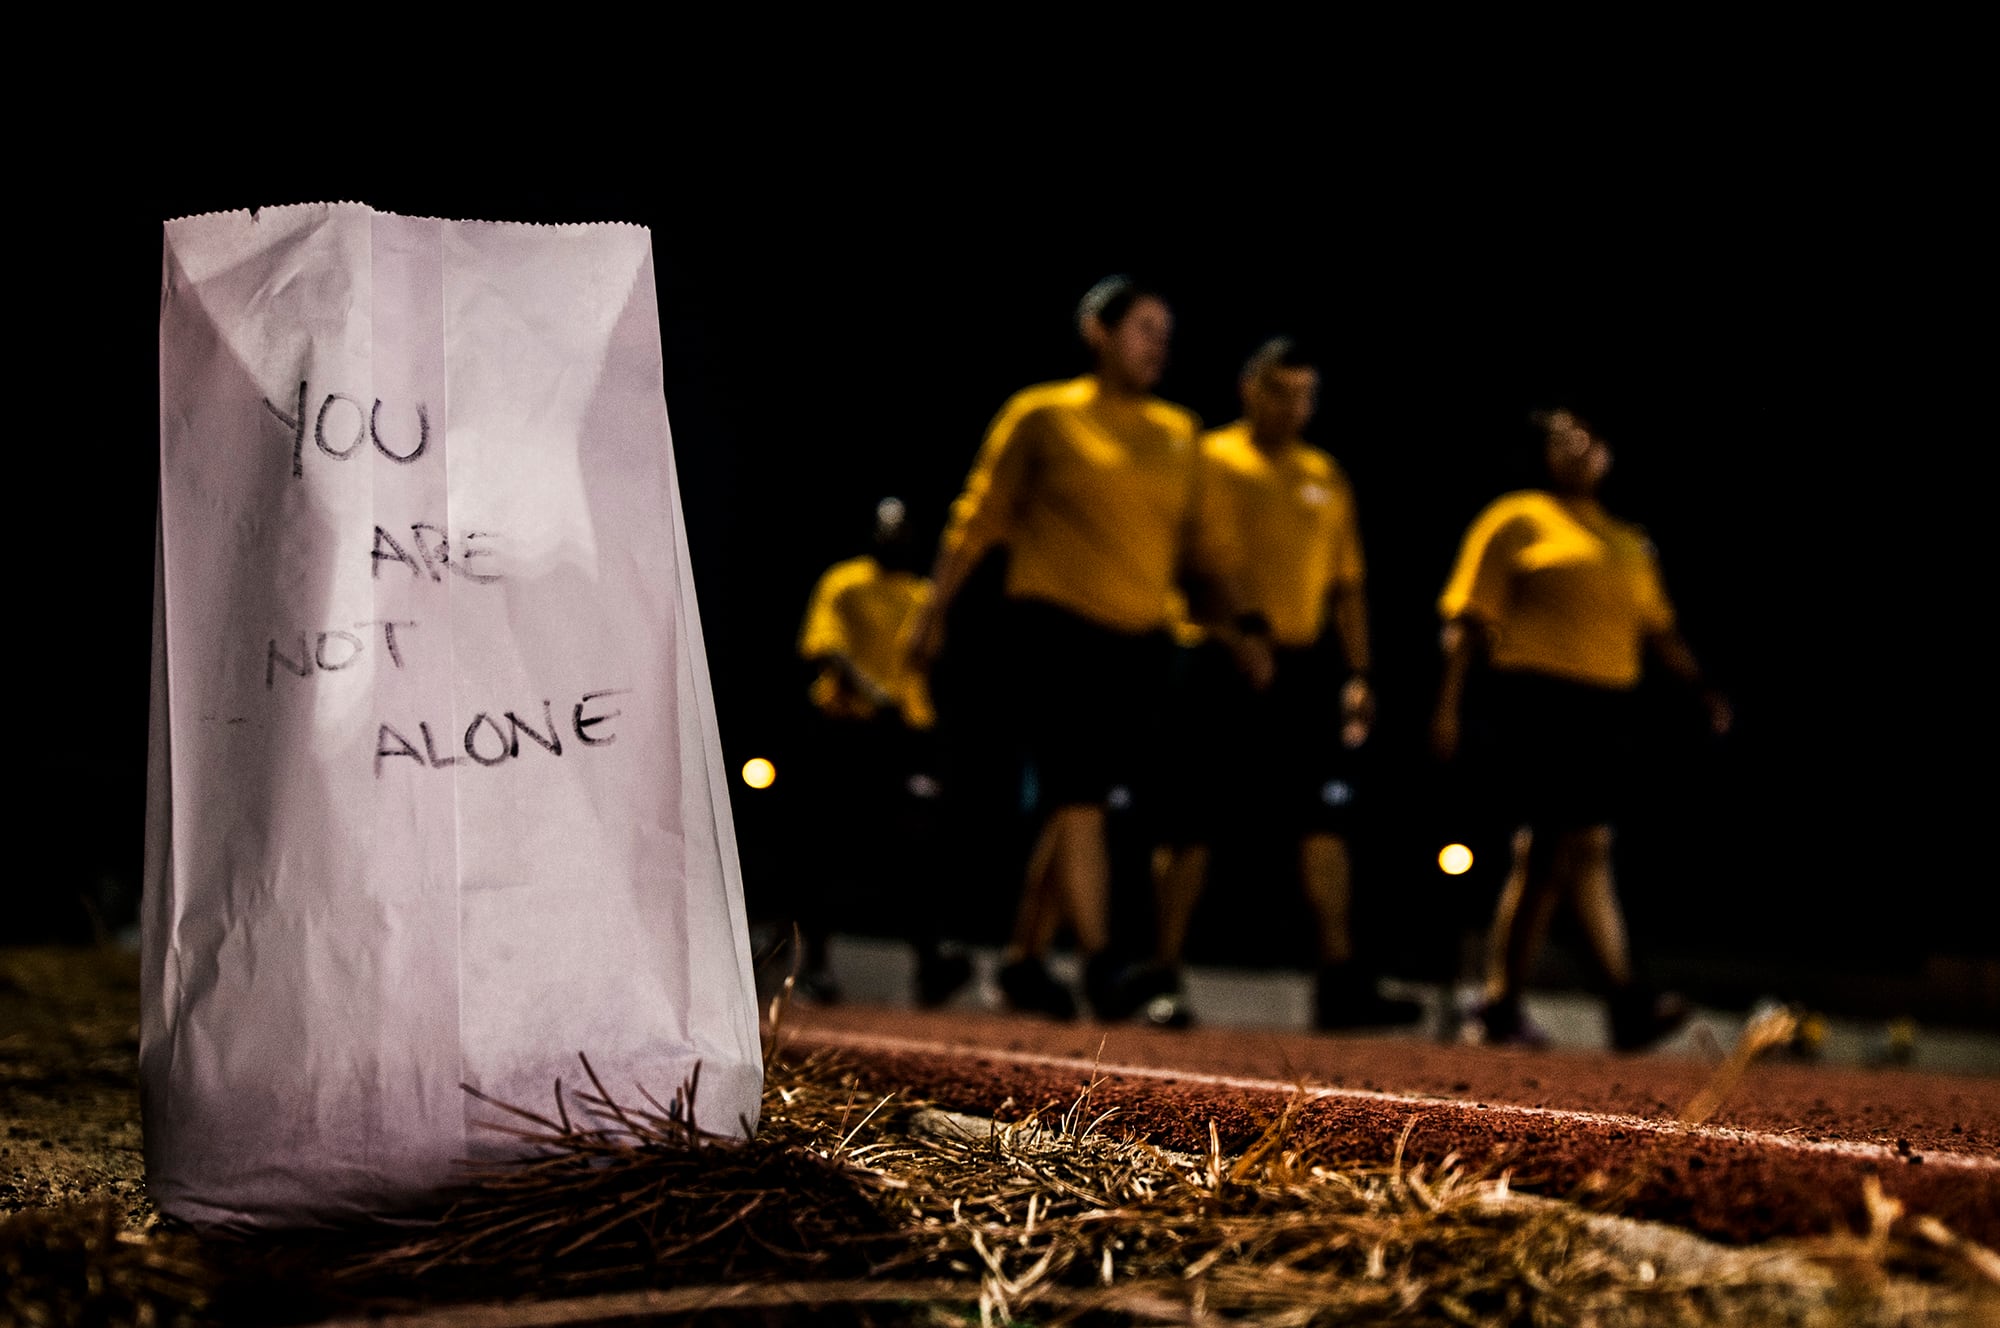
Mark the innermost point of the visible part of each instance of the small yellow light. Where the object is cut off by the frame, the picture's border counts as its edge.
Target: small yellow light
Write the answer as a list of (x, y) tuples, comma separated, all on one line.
[(1455, 859), (758, 773)]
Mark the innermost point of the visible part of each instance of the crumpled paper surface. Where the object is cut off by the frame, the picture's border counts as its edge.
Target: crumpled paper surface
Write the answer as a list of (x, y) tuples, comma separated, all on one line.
[(435, 792)]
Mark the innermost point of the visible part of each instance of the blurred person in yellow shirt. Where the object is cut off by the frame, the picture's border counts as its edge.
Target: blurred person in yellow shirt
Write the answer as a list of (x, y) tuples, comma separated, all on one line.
[(1562, 602), (1277, 516), (873, 782), (854, 627), (1089, 484)]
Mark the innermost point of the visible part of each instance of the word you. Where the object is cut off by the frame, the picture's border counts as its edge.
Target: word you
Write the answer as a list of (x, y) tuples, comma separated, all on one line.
[(340, 426)]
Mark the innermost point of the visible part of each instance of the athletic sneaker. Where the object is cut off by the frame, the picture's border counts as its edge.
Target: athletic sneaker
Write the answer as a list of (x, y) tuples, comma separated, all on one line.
[(1640, 1018), (1344, 998), (816, 987), (1169, 1007), (1502, 1024), (1168, 1010), (1119, 991), (1030, 988), (940, 973)]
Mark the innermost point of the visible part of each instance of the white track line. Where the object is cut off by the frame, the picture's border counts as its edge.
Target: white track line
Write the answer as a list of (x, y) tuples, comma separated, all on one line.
[(1719, 1133)]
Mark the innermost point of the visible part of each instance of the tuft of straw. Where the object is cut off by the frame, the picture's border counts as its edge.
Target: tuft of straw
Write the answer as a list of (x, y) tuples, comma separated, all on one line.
[(1772, 1028), (1059, 1217), (81, 1264), (854, 1203)]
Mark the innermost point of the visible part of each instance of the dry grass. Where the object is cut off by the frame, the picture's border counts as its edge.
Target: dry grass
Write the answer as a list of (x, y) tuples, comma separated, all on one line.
[(1773, 1028), (1061, 1217), (853, 1207), (82, 1264)]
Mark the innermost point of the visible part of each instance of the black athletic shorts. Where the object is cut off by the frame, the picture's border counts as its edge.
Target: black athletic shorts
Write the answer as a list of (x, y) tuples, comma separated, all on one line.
[(1090, 700), (1559, 753), (1268, 757)]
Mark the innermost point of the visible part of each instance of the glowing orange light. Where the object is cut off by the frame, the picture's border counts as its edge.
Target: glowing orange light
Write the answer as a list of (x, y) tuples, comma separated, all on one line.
[(1455, 859), (758, 773)]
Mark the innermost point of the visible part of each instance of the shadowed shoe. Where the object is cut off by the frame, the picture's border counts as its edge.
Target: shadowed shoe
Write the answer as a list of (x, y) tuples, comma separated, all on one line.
[(816, 987), (1119, 991), (1640, 1018), (1030, 988), (1343, 998), (940, 974), (1502, 1024), (1168, 1010)]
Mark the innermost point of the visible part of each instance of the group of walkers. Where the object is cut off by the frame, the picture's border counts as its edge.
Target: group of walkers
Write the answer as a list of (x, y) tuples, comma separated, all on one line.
[(1154, 569)]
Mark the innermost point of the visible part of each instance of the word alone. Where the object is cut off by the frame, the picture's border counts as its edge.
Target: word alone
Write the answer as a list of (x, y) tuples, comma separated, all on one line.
[(491, 740)]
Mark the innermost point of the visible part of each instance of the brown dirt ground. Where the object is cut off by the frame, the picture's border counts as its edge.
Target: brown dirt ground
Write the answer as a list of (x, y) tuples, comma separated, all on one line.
[(70, 1119), (69, 1109), (69, 1087), (1932, 1140)]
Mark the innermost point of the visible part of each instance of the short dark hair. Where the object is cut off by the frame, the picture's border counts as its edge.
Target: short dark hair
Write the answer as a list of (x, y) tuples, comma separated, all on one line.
[(1278, 353), (1111, 299)]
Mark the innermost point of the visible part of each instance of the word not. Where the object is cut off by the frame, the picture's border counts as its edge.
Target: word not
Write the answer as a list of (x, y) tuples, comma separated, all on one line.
[(342, 413), (346, 647), (388, 550), (490, 741)]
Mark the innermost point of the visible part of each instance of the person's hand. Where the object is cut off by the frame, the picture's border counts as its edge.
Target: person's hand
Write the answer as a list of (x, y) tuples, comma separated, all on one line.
[(1444, 734), (868, 694), (1253, 657), (1720, 715), (923, 638), (1357, 711)]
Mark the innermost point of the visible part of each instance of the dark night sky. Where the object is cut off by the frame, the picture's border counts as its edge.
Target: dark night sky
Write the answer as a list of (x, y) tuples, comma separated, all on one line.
[(1762, 307)]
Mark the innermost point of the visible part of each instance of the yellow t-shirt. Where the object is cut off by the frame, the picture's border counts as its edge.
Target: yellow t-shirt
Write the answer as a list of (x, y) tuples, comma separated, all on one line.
[(1092, 496), (857, 612), (1282, 526), (1563, 589)]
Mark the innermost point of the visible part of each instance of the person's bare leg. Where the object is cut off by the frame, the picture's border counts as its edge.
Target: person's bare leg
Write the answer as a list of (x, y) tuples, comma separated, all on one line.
[(1586, 859), (1499, 977), (1024, 977), (1178, 875), (1081, 872), (1639, 1016), (1326, 876), (1344, 995), (1039, 914), (1521, 918)]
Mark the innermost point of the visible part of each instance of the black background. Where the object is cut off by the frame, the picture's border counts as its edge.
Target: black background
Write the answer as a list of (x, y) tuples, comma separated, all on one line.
[(1767, 293)]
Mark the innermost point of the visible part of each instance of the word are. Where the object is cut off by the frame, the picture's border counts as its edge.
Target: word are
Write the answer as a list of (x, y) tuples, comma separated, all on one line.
[(332, 651), (490, 741), (340, 426), (390, 550)]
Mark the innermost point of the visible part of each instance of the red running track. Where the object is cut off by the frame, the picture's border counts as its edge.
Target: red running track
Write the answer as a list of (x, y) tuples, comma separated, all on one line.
[(1784, 1156)]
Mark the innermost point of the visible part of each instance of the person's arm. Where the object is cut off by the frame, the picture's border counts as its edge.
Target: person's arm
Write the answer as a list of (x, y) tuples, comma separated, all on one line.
[(1475, 601), (1671, 649), (1247, 638), (1216, 603), (1461, 640), (826, 643), (1347, 611), (1664, 641), (856, 682), (1210, 558), (923, 638), (982, 517), (1347, 614)]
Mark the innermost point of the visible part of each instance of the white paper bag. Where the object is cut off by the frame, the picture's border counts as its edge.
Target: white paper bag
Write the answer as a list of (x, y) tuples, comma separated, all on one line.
[(435, 793)]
